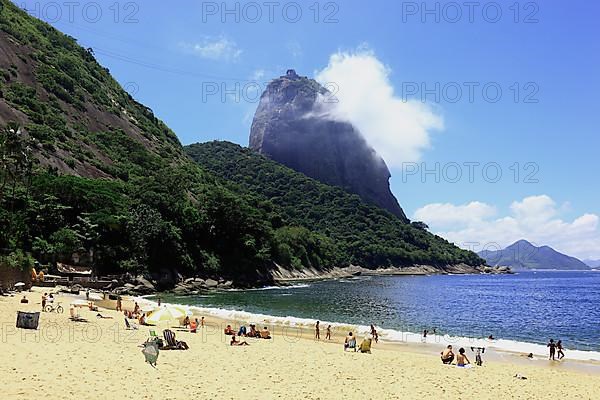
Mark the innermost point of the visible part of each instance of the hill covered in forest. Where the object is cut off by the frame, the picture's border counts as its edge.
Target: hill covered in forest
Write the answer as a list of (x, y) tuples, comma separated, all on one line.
[(90, 176), (363, 234)]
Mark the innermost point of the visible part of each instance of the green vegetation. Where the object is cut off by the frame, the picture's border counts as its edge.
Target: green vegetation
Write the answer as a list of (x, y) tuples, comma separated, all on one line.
[(360, 233), (172, 219), (90, 172)]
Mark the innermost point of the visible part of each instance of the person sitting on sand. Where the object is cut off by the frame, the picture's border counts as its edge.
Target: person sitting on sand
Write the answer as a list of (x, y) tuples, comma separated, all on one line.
[(265, 334), (447, 355), (229, 330), (186, 321), (143, 319), (365, 346), (462, 360), (24, 300), (242, 331), (237, 342), (253, 332), (350, 342)]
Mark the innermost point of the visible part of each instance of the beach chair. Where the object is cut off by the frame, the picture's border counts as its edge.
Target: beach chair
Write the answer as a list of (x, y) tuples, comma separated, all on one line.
[(171, 343), (129, 326), (154, 339), (350, 345), (365, 346)]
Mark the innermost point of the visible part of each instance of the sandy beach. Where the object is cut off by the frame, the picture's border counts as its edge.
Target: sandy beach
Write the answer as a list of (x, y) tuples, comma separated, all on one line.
[(100, 358)]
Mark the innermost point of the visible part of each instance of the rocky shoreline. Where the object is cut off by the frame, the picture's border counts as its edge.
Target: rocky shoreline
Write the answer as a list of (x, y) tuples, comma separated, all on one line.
[(281, 276)]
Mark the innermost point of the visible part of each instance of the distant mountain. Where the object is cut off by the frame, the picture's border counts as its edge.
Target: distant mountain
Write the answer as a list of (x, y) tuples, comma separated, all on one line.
[(592, 263), (523, 255)]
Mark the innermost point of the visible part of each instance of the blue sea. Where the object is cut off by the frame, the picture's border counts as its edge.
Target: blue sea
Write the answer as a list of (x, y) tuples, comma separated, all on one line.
[(521, 311)]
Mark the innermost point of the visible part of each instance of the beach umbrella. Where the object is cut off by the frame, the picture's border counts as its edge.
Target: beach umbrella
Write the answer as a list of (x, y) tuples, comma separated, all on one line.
[(19, 284), (96, 296), (148, 308), (80, 303), (184, 310), (165, 314)]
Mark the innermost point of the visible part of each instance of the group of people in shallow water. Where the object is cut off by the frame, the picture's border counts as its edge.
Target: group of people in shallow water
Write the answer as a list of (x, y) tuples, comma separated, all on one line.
[(556, 350), (350, 341), (251, 332)]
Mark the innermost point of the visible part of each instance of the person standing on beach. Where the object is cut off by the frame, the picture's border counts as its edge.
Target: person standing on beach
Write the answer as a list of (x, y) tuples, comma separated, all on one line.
[(328, 334), (317, 332), (44, 298), (559, 346), (552, 346), (202, 322), (119, 305), (159, 301), (374, 333)]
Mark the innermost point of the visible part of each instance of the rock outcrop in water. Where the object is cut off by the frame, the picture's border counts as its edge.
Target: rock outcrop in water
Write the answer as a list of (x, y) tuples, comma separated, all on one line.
[(292, 126)]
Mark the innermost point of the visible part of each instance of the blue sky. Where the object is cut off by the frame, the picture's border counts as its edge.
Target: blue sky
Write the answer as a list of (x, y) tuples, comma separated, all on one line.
[(167, 56)]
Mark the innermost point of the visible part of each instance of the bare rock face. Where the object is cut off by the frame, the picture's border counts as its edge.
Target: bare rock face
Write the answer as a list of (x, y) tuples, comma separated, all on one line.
[(292, 127)]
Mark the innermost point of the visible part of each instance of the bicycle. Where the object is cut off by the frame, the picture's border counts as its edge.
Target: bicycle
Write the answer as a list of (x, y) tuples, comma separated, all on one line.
[(51, 307)]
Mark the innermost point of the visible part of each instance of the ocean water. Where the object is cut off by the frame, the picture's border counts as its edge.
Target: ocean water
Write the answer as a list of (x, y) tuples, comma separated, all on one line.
[(521, 311)]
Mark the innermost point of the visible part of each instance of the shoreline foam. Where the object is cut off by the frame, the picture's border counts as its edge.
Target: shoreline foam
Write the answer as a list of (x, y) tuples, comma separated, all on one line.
[(388, 335)]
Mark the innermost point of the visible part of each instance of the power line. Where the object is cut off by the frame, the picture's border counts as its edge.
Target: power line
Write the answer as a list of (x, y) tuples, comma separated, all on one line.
[(155, 66)]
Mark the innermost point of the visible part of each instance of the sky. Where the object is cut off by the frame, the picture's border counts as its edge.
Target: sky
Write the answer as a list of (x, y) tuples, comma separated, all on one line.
[(486, 114)]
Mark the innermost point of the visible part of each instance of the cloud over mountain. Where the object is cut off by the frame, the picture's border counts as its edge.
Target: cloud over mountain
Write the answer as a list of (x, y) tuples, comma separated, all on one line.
[(535, 218)]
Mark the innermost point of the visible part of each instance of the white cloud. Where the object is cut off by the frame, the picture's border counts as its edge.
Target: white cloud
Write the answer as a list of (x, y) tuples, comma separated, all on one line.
[(399, 131), (295, 49), (258, 75), (214, 48), (449, 214), (534, 218)]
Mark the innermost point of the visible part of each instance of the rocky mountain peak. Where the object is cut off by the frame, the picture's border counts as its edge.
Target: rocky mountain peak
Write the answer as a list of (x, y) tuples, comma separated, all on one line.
[(292, 125)]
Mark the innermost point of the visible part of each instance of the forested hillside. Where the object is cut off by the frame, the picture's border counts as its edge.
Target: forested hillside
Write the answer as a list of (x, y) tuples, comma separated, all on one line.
[(89, 175), (363, 234)]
